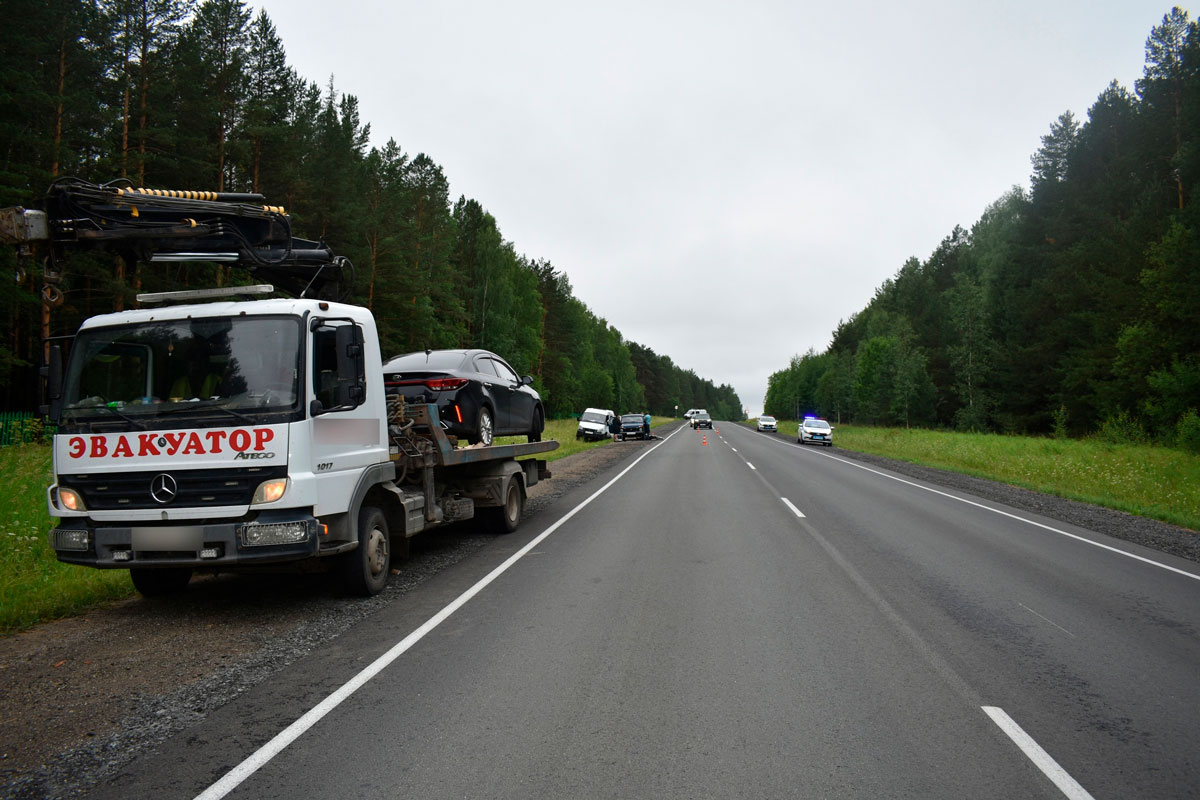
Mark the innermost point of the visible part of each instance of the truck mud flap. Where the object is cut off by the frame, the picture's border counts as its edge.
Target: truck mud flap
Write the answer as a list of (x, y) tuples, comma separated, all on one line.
[(535, 470)]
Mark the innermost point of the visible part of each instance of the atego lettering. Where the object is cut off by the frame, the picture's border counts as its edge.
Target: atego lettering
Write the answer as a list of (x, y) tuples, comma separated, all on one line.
[(243, 443)]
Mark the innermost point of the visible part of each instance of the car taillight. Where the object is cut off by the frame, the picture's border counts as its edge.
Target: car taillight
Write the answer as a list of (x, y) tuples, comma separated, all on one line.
[(446, 384)]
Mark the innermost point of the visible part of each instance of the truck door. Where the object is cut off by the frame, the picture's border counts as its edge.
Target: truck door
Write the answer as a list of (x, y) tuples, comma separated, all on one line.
[(348, 428)]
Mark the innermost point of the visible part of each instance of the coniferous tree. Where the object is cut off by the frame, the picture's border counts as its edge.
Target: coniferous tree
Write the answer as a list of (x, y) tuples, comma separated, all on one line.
[(270, 93)]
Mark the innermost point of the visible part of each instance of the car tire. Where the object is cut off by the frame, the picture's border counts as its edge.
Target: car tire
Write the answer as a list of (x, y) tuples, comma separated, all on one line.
[(485, 428), (365, 569), (160, 582), (539, 425)]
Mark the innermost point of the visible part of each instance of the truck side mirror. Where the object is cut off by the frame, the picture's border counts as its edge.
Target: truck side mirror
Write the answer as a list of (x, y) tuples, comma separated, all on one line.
[(350, 355), (341, 382)]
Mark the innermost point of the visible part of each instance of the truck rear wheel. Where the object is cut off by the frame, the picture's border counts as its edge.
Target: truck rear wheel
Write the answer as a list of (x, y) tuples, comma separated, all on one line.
[(159, 582), (506, 518), (365, 569)]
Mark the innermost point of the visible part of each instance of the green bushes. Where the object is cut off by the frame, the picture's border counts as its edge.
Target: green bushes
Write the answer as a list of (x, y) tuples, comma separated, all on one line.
[(1187, 432), (1121, 428)]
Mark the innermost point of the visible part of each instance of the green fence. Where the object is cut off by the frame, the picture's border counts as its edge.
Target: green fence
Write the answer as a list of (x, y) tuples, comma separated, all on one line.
[(22, 427)]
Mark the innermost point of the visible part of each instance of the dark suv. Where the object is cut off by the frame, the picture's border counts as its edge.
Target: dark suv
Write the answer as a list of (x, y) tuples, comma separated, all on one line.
[(702, 420), (633, 426)]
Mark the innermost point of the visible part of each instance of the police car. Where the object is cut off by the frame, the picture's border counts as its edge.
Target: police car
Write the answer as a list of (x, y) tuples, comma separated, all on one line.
[(815, 431), (766, 423)]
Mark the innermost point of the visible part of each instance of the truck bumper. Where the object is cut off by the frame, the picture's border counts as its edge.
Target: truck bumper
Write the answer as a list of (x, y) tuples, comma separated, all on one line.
[(272, 537)]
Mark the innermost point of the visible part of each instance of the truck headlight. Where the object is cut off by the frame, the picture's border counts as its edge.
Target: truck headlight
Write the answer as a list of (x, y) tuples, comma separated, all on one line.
[(269, 491), (70, 499)]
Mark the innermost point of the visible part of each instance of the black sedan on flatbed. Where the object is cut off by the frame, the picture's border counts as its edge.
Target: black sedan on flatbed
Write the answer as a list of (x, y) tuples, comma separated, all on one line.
[(477, 394)]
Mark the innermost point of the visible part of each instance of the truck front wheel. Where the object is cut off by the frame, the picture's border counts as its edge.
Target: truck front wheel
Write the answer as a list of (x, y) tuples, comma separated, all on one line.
[(162, 581), (365, 569)]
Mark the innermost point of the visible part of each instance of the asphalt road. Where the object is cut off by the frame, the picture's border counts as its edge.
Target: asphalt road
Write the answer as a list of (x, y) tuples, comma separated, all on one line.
[(735, 616)]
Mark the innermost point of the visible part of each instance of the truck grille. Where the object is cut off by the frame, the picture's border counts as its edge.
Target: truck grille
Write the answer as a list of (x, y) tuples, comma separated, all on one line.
[(231, 486)]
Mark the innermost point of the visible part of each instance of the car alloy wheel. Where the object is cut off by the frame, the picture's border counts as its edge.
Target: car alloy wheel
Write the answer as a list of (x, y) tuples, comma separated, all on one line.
[(484, 428)]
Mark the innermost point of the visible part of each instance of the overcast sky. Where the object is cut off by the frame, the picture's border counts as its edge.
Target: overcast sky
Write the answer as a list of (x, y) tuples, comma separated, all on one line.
[(723, 182)]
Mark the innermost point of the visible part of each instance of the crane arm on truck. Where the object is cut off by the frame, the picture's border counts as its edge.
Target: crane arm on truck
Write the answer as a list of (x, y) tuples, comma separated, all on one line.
[(156, 226)]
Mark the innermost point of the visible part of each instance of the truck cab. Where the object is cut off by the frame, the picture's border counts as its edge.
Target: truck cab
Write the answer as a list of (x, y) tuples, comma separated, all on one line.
[(215, 435)]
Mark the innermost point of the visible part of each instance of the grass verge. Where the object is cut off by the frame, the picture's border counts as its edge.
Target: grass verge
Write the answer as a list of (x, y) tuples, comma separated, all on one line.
[(34, 586), (1155, 482)]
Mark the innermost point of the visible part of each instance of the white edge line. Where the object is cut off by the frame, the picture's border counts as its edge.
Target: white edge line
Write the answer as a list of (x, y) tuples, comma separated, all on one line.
[(268, 751), (751, 466), (1041, 759), (795, 510), (1077, 537)]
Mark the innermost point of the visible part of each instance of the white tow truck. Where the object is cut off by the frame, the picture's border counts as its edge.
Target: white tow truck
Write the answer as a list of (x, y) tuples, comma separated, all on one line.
[(233, 435)]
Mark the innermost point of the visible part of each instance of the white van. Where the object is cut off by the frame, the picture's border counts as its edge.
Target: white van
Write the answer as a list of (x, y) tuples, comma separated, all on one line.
[(594, 422)]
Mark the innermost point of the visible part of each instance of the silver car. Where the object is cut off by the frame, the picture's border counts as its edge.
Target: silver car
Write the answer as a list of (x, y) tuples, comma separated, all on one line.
[(766, 423), (816, 431)]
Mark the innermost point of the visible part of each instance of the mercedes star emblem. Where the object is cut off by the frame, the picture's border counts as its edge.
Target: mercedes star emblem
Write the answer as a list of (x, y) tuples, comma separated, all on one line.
[(163, 488)]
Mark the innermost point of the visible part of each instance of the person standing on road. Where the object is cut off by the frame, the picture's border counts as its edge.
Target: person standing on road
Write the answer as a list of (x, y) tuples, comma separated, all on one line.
[(614, 427), (646, 425)]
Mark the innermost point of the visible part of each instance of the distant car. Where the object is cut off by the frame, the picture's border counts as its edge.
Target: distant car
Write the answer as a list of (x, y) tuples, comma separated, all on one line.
[(633, 426), (594, 423), (691, 412), (477, 394), (817, 431), (702, 420), (766, 423)]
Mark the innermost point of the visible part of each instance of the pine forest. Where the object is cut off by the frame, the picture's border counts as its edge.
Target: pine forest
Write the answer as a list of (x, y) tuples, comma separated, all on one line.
[(178, 94), (1071, 308)]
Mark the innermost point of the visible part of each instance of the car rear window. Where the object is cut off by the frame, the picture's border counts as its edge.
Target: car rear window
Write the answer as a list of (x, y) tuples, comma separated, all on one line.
[(438, 359)]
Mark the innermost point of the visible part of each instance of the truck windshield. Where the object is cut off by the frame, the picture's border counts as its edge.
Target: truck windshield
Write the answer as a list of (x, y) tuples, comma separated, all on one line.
[(149, 374), (592, 416)]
